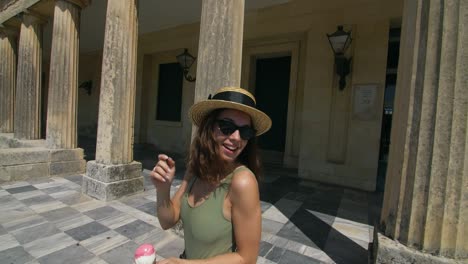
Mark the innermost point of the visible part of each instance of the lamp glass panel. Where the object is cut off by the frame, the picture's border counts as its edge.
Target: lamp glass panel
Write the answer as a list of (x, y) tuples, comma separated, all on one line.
[(339, 43), (189, 60), (185, 60), (181, 60)]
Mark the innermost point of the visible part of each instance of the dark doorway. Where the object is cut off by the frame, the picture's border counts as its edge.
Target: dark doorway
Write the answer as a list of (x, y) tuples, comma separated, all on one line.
[(387, 112), (271, 91)]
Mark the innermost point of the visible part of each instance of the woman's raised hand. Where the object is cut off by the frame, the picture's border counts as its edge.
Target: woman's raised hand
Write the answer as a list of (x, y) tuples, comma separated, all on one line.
[(164, 171)]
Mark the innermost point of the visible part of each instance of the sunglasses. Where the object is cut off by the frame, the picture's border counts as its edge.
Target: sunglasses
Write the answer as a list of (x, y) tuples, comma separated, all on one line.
[(228, 127)]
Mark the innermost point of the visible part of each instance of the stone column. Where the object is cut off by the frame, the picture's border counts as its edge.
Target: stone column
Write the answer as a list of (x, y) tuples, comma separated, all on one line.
[(28, 90), (7, 79), (220, 46), (425, 211), (63, 81), (114, 173)]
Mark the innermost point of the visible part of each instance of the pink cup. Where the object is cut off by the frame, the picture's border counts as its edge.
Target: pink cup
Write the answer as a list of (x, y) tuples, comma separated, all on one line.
[(145, 254)]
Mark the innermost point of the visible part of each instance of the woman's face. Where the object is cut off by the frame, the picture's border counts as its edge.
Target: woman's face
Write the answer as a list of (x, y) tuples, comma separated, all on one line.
[(231, 145)]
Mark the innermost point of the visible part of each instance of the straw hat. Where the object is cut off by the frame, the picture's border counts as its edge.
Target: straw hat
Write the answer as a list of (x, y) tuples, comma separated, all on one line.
[(232, 98)]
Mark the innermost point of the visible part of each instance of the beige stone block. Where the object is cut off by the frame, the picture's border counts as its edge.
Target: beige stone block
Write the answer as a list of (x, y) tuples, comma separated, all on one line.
[(4, 175), (15, 156), (66, 154), (390, 251), (6, 140), (111, 173), (35, 143), (6, 136), (22, 172), (110, 191), (4, 143), (67, 167)]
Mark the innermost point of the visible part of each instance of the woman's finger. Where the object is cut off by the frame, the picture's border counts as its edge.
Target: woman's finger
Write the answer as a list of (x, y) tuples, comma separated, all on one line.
[(164, 169), (161, 171), (170, 163), (157, 176), (163, 157), (163, 165)]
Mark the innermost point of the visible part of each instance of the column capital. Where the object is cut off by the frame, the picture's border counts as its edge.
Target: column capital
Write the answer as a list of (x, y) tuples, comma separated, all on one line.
[(81, 3), (31, 17), (8, 31)]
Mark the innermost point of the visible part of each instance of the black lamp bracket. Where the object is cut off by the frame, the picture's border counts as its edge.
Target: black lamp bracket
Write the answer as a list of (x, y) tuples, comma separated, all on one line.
[(187, 76), (342, 68), (339, 42)]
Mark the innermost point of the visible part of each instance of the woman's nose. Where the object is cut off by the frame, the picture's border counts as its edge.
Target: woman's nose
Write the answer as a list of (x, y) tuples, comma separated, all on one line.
[(235, 135)]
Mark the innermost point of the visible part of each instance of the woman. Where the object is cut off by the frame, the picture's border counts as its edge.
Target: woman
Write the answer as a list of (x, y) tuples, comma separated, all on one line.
[(218, 200)]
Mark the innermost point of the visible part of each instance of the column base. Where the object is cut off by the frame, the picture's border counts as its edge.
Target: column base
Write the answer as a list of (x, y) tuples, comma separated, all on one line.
[(388, 251), (31, 163), (7, 140), (109, 182)]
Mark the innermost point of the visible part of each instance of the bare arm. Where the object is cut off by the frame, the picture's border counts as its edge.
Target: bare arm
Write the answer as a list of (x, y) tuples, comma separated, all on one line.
[(168, 210), (246, 217)]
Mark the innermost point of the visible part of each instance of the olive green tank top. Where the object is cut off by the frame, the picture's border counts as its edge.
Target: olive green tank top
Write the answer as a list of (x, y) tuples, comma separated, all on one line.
[(207, 232)]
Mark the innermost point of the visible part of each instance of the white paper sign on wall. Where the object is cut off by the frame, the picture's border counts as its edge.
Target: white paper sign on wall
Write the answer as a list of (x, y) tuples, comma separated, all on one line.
[(365, 100)]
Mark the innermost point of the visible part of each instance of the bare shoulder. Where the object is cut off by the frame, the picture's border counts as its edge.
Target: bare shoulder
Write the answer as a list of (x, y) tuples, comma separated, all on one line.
[(244, 194), (244, 180)]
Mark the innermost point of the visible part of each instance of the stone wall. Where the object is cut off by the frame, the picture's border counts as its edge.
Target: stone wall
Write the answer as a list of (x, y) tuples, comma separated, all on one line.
[(329, 142)]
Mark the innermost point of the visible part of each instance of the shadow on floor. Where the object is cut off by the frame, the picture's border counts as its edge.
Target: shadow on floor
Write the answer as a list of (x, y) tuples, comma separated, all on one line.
[(320, 209), (313, 212)]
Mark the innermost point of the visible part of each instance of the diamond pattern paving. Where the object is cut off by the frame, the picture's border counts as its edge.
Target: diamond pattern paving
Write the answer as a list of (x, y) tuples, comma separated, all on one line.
[(50, 221)]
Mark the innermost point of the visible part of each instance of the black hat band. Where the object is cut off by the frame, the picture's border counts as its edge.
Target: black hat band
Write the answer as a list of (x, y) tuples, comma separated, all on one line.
[(234, 97)]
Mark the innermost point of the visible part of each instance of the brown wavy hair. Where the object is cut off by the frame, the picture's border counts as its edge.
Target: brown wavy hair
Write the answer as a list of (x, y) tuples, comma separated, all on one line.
[(204, 160)]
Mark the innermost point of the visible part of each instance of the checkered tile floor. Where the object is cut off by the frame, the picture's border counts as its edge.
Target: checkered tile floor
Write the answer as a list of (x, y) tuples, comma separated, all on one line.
[(50, 221)]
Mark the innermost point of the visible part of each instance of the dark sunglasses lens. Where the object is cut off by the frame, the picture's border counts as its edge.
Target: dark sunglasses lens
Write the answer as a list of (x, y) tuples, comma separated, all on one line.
[(226, 127), (247, 133)]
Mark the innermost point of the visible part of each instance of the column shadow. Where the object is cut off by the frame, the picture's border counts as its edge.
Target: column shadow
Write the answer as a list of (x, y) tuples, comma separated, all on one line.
[(305, 227)]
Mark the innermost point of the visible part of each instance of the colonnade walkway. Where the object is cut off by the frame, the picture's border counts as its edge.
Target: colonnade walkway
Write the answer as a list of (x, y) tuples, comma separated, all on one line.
[(49, 221)]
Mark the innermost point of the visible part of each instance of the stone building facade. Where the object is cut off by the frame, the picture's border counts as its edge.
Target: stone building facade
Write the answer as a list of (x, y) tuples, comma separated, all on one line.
[(330, 135)]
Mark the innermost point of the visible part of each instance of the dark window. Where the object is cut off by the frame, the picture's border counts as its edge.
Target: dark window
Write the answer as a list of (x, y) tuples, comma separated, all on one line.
[(393, 54), (169, 92), (393, 48)]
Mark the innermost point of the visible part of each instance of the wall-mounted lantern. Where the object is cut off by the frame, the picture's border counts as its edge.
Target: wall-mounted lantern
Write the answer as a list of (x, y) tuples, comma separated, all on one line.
[(186, 60), (339, 42)]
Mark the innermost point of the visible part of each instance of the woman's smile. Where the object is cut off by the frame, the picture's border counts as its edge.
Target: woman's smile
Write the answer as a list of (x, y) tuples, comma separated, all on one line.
[(230, 148)]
